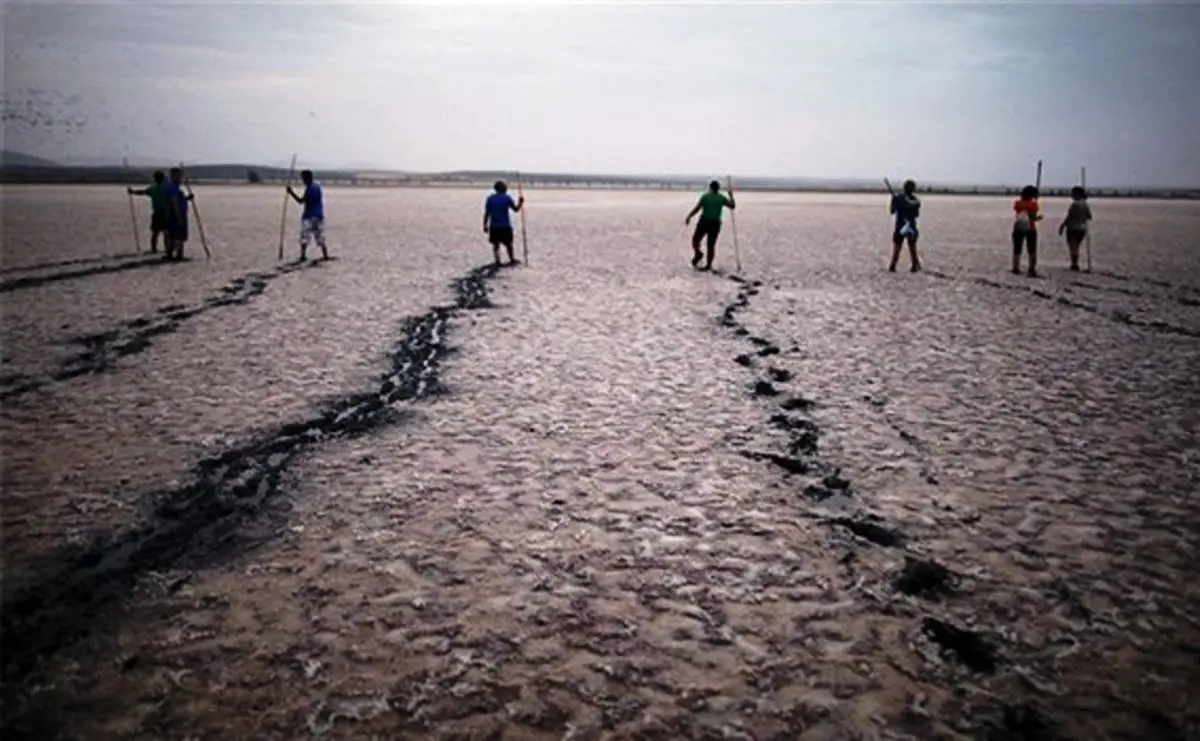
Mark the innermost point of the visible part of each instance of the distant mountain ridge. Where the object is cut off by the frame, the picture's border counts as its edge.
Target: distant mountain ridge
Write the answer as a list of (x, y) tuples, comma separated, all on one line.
[(9, 158)]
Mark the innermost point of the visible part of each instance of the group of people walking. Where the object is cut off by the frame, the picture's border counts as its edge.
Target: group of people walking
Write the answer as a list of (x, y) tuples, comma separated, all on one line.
[(906, 207), (169, 217)]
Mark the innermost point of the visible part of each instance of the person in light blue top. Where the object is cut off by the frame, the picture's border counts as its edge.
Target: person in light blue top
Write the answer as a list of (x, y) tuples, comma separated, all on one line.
[(312, 220), (907, 208), (497, 223)]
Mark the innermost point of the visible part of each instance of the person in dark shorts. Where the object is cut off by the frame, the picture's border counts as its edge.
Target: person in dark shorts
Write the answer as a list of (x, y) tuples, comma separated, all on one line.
[(710, 207), (907, 208), (1027, 213), (157, 192), (497, 223), (177, 216), (1076, 224)]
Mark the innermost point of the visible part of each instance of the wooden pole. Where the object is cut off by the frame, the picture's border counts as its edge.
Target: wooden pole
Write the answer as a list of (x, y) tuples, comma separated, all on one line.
[(196, 210), (737, 252), (524, 238), (1088, 238), (888, 184), (1038, 184), (286, 198), (137, 237)]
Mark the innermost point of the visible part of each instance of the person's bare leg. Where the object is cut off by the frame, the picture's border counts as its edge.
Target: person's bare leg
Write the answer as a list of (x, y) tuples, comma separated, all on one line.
[(712, 251), (897, 245), (912, 254), (511, 257), (496, 253), (1073, 250), (1017, 241), (697, 255), (320, 233)]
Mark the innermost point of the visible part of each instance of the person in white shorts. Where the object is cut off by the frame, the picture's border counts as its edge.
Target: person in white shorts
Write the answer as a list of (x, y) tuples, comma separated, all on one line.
[(312, 220)]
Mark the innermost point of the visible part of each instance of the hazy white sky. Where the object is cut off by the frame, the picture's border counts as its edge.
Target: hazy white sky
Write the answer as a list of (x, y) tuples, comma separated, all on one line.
[(965, 92)]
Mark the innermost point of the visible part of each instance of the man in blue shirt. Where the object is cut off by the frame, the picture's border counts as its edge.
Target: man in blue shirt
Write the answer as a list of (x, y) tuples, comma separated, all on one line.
[(177, 216), (496, 222), (907, 208), (312, 220)]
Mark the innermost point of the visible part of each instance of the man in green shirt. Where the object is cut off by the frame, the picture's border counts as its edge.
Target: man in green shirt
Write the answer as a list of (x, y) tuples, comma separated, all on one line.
[(157, 192), (710, 207)]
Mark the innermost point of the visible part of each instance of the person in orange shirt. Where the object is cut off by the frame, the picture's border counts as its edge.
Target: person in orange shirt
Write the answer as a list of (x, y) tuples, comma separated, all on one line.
[(1027, 214)]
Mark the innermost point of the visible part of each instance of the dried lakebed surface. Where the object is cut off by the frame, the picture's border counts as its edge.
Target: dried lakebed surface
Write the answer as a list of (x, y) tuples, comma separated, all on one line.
[(817, 502), (103, 349)]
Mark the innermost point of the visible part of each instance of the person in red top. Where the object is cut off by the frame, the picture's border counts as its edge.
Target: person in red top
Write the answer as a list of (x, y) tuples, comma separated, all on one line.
[(1027, 214)]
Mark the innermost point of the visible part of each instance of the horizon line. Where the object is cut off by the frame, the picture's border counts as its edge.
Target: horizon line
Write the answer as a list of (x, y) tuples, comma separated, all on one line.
[(669, 177)]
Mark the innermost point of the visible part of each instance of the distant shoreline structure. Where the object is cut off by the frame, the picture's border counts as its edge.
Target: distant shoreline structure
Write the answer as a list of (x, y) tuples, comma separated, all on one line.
[(53, 174)]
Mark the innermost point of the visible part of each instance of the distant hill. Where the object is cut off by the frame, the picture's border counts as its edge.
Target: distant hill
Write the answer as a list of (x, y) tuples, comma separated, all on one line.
[(9, 158), (134, 161)]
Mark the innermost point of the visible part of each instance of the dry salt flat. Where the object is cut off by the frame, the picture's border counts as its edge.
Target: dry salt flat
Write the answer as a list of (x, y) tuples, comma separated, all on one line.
[(606, 497)]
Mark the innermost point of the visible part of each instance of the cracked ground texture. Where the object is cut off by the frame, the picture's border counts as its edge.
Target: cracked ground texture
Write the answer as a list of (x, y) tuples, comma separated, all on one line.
[(952, 505)]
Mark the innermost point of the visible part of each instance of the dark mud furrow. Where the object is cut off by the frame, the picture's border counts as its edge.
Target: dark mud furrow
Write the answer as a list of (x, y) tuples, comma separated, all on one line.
[(1148, 281), (802, 457), (75, 261), (1120, 317), (35, 281), (68, 593), (103, 349), (924, 579), (1181, 300)]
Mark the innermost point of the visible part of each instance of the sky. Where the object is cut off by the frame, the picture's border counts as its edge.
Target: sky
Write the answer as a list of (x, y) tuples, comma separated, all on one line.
[(941, 92)]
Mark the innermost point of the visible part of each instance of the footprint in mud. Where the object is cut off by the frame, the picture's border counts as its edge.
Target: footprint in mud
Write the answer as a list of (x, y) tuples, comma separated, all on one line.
[(788, 463), (927, 579), (968, 646), (832, 485), (874, 532), (797, 404), (764, 388)]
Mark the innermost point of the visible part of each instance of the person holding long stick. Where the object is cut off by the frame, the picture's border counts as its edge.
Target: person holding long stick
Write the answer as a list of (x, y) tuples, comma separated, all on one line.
[(497, 223), (177, 215), (157, 193), (711, 205), (312, 219), (1026, 214), (907, 208), (1076, 224)]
